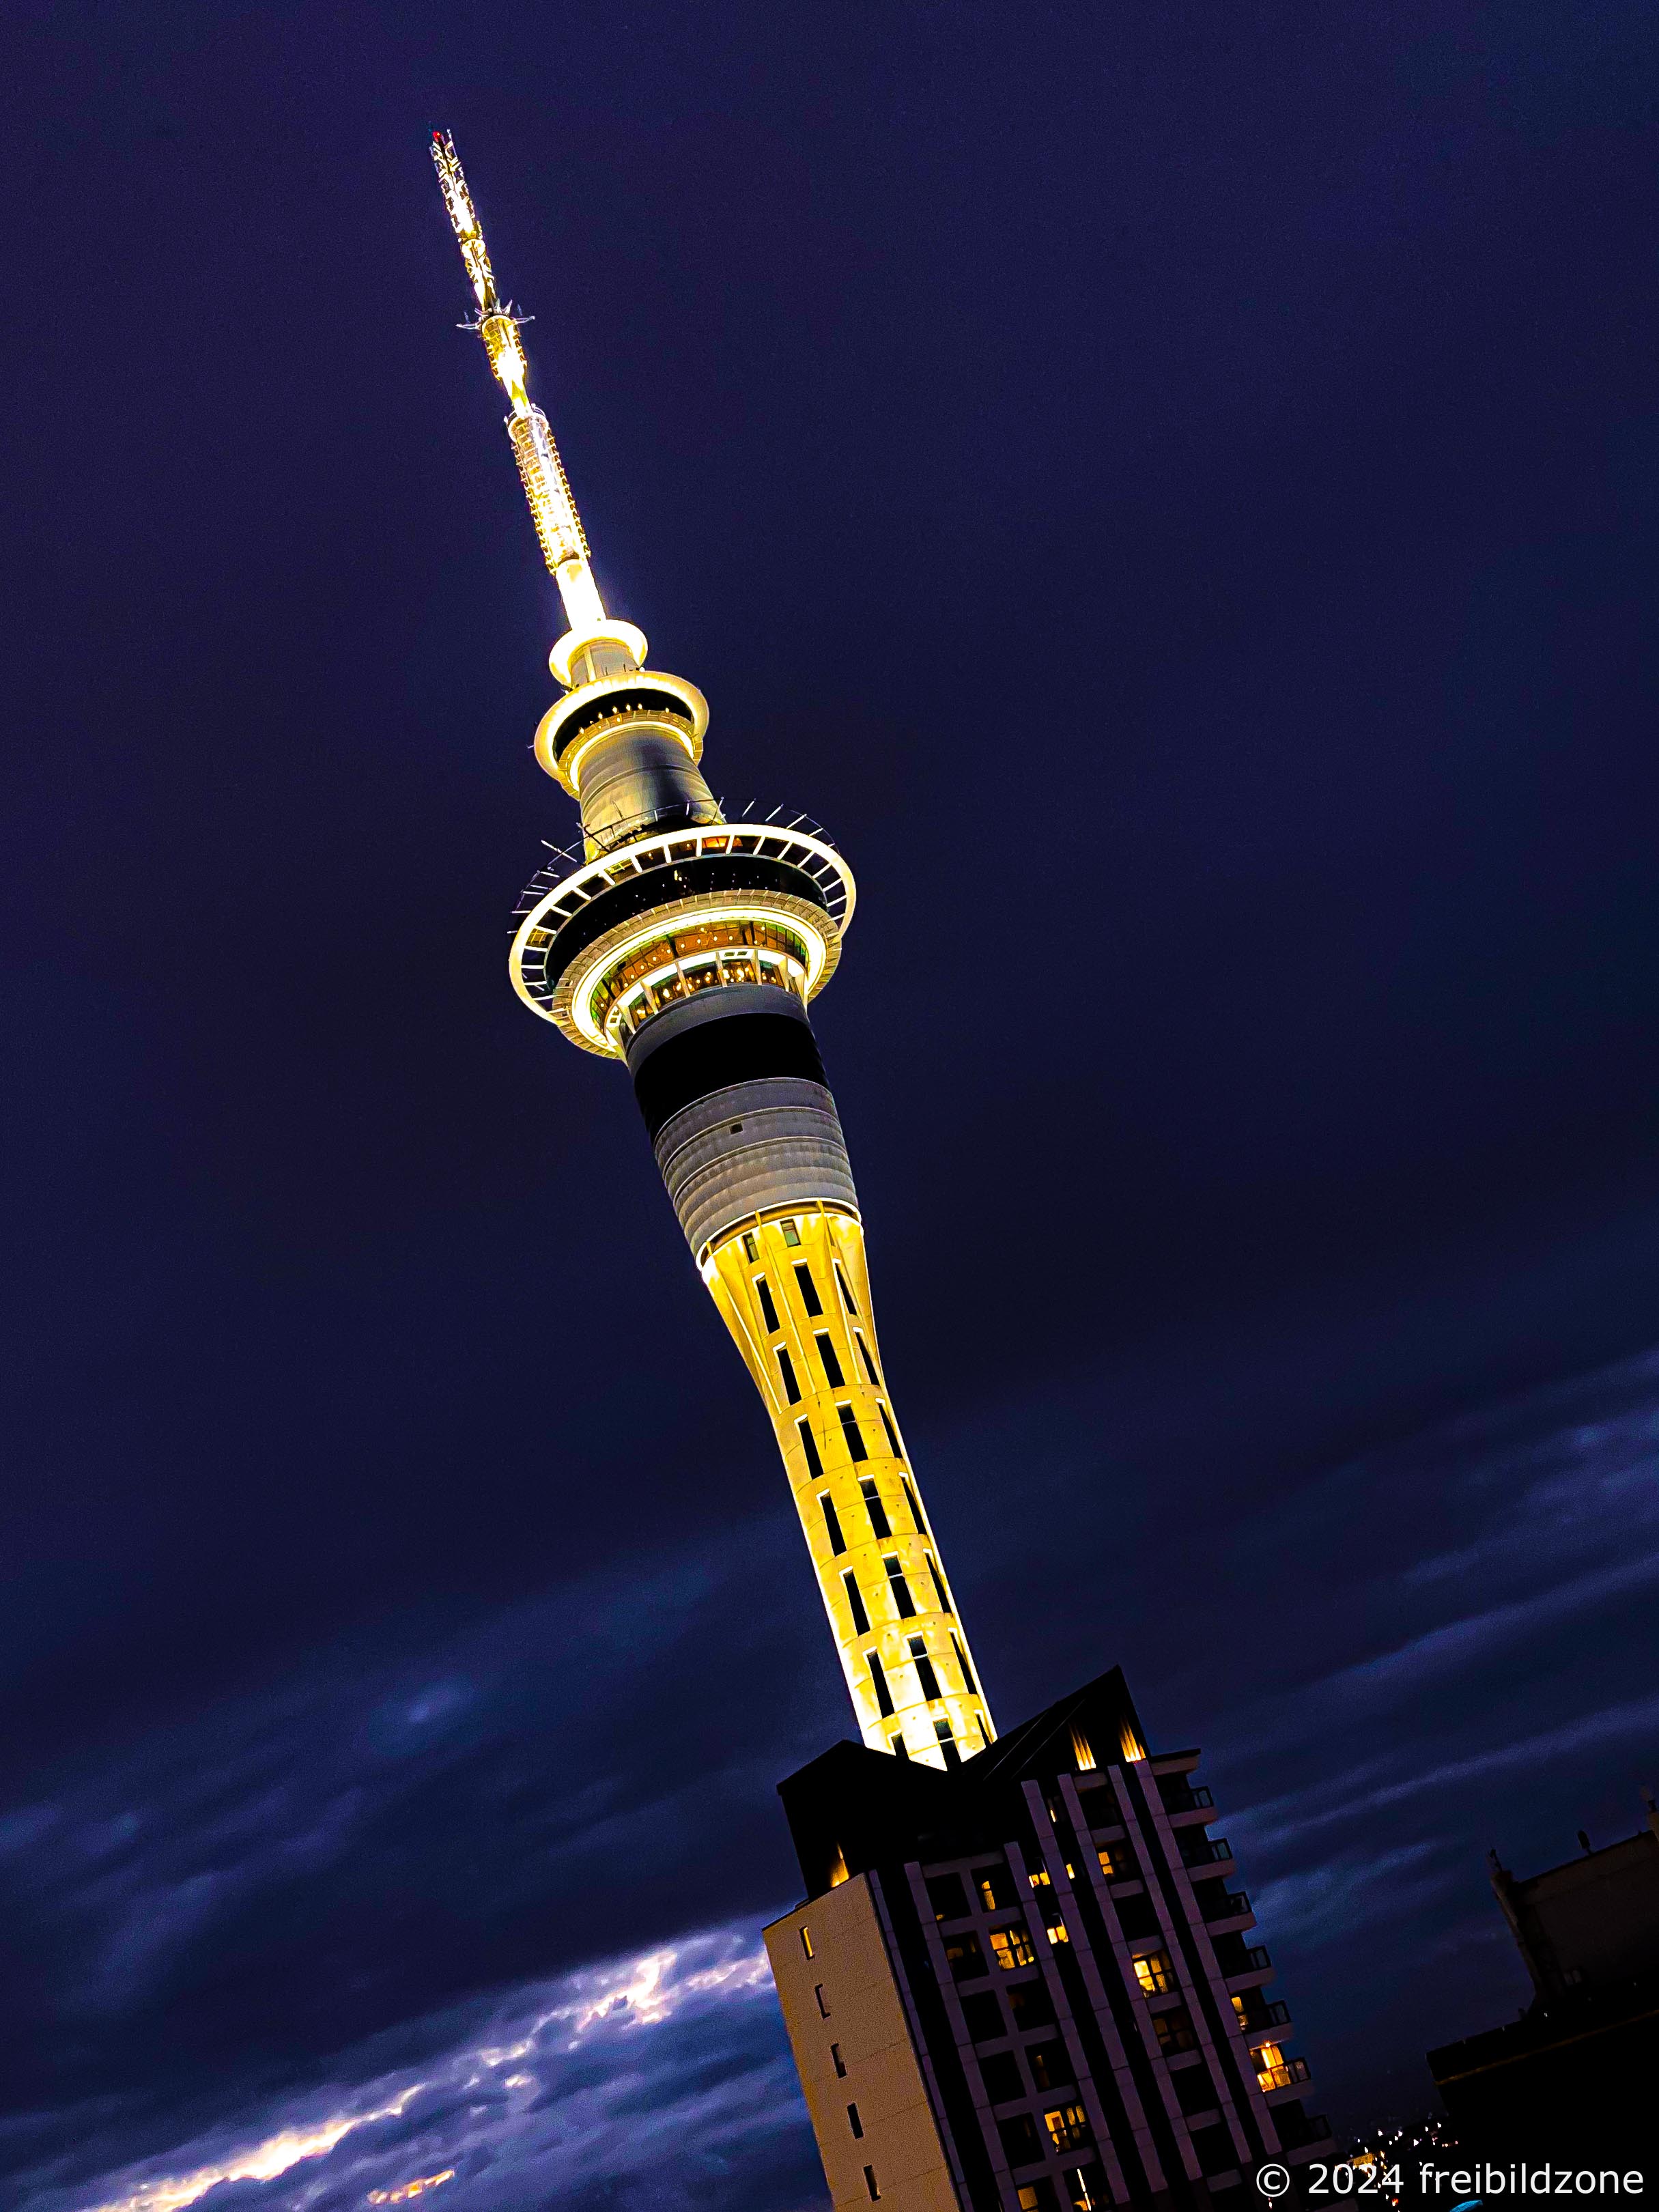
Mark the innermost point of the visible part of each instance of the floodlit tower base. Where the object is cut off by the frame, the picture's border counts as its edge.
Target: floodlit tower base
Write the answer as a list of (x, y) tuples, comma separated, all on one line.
[(1025, 1985)]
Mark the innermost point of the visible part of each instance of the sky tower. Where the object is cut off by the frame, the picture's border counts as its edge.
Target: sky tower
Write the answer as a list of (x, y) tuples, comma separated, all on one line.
[(689, 948)]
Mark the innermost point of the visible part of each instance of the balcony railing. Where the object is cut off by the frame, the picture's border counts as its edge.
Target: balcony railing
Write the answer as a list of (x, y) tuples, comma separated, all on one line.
[(1282, 2075), (1228, 1905), (1179, 1800), (1259, 1956), (1205, 1850)]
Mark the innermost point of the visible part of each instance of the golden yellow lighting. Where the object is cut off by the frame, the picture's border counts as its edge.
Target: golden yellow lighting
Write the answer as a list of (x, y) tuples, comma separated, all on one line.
[(1130, 1744), (263, 2161), (417, 2187), (1082, 1751), (838, 1873)]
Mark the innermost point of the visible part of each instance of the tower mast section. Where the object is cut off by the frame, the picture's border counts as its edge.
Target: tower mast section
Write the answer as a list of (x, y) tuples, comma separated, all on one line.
[(563, 542)]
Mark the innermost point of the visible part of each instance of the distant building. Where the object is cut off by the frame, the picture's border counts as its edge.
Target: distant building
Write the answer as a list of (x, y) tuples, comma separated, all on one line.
[(1026, 1985), (1577, 2070)]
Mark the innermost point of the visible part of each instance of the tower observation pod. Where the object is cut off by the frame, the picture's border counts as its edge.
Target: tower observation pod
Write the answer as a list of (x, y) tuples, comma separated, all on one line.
[(689, 948)]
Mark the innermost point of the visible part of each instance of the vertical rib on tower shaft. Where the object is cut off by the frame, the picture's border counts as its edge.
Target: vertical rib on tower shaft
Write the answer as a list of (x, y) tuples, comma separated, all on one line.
[(691, 947)]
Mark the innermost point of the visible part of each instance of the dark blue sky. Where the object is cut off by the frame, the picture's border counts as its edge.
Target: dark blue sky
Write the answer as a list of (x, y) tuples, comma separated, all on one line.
[(1178, 495)]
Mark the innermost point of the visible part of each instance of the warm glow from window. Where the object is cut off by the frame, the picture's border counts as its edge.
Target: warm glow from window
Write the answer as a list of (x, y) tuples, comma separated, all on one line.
[(1152, 1973), (838, 1869), (1083, 1751), (1130, 1744)]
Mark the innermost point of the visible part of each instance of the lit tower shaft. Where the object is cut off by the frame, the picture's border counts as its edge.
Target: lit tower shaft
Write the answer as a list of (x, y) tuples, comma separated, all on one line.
[(690, 947)]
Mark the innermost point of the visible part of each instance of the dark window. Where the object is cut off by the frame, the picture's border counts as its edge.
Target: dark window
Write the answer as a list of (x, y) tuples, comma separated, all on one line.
[(878, 1678), (831, 1522), (854, 2122), (855, 1606), (1038, 2195), (809, 1445), (983, 2016), (832, 1374), (768, 1312), (910, 1500), (1137, 1916), (1194, 2091), (1029, 2003), (809, 1289), (949, 1900), (893, 1443), (879, 1524), (864, 1354), (1174, 2031), (939, 1591), (1050, 2068), (1215, 2149), (846, 1297), (967, 1671), (749, 1251), (786, 1368), (1020, 2146), (964, 1958), (870, 2183), (837, 2061), (849, 1420), (925, 1675), (823, 2010), (899, 1748), (791, 1234), (995, 1886), (947, 1743), (1002, 2079), (899, 1587)]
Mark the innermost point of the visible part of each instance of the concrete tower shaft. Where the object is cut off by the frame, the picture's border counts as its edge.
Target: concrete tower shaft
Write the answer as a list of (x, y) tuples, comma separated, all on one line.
[(691, 948)]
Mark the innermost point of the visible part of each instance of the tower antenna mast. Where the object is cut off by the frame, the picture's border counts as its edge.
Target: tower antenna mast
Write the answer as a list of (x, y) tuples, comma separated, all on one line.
[(558, 526)]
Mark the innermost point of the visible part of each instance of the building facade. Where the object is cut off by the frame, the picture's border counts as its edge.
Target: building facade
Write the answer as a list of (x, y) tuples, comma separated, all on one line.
[(1030, 1985)]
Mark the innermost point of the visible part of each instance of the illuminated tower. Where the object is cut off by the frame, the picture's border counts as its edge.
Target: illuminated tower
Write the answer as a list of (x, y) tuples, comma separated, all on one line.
[(690, 947)]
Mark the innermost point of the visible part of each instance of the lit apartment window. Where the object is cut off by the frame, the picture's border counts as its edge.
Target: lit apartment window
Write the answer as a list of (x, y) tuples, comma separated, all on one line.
[(1038, 2196), (925, 1675), (1112, 1864), (838, 2062), (791, 1234), (786, 1368), (938, 1586), (850, 1422), (911, 1500), (870, 2183), (854, 2122), (1068, 2128), (809, 1289), (806, 1940), (879, 1684), (893, 1443), (809, 1445), (968, 1682), (750, 1252), (1154, 1973), (832, 1522), (832, 1374), (879, 1524), (855, 1605), (768, 1312), (903, 1601), (1011, 1947), (864, 1354), (846, 1297)]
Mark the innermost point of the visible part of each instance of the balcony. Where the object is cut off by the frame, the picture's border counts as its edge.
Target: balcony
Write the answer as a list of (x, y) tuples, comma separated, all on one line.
[(1257, 2018), (1284, 2075), (1304, 2131), (1200, 1853), (1225, 1907), (1255, 1967), (1182, 1803)]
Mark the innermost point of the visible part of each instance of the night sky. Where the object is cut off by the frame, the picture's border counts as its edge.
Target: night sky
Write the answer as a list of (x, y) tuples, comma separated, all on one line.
[(1176, 490)]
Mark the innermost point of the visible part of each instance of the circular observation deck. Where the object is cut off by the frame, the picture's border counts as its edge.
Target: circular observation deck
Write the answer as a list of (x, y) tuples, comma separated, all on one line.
[(598, 950)]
